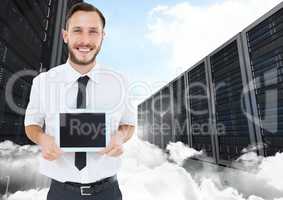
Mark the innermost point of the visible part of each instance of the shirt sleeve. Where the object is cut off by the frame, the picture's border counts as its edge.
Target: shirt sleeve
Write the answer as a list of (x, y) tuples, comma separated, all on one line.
[(34, 114), (129, 115)]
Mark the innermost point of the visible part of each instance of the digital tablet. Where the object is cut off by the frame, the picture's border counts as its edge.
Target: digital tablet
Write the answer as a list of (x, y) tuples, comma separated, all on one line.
[(83, 132)]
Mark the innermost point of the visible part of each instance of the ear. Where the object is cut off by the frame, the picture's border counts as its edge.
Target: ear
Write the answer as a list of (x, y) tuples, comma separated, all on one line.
[(65, 35), (103, 34)]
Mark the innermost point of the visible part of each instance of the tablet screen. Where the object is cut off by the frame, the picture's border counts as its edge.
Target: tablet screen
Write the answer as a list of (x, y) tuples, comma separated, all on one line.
[(82, 131)]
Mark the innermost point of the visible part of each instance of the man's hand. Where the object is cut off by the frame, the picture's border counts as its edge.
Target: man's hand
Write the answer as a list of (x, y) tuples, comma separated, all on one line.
[(50, 151), (115, 147)]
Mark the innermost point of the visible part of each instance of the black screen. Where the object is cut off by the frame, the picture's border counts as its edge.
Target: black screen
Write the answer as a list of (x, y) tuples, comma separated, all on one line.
[(82, 130)]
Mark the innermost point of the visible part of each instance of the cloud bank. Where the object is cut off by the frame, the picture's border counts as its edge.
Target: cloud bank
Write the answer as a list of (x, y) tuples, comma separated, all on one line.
[(148, 173)]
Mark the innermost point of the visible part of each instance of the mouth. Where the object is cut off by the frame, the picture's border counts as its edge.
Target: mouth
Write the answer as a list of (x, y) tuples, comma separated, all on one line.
[(84, 50)]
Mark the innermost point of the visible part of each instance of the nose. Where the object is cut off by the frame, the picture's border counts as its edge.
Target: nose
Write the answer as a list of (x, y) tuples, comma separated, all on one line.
[(85, 39)]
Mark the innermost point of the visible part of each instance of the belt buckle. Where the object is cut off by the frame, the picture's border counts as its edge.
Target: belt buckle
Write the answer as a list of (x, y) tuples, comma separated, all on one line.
[(82, 190)]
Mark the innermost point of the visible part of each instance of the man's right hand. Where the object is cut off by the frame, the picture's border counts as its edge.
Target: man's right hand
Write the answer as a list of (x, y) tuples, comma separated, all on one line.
[(50, 150)]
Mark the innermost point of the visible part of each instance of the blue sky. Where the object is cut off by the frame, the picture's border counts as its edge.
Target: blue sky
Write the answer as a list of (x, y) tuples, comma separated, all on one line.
[(152, 41), (126, 47)]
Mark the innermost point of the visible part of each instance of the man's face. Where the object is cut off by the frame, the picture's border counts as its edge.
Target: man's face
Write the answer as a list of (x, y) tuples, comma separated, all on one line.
[(84, 37)]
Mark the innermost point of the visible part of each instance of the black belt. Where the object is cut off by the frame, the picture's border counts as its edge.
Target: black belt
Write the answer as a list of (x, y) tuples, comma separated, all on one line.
[(87, 188)]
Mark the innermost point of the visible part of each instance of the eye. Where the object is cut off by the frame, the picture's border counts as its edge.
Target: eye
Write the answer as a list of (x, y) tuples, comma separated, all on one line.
[(93, 31)]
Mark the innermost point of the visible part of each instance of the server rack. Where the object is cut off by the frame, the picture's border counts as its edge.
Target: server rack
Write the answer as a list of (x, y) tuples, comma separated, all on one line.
[(180, 118), (243, 83), (233, 131), (144, 117), (23, 34), (174, 136), (140, 122), (166, 116), (263, 47), (150, 122), (156, 125), (199, 110)]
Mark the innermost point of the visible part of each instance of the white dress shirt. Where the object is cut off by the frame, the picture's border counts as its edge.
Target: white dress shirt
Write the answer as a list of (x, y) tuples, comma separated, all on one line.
[(54, 92)]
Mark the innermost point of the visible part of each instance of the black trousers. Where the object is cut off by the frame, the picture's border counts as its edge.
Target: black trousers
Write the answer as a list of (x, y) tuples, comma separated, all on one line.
[(112, 192)]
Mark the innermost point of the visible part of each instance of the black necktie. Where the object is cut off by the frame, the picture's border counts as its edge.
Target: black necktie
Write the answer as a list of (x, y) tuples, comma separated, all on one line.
[(80, 157)]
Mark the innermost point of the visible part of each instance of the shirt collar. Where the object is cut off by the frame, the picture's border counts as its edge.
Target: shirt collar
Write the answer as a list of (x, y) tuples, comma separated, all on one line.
[(72, 75)]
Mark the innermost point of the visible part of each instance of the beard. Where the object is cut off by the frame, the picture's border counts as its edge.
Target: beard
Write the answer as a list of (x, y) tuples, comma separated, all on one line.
[(74, 59)]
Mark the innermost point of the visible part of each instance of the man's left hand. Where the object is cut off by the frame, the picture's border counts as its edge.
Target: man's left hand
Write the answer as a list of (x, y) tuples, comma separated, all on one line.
[(115, 146)]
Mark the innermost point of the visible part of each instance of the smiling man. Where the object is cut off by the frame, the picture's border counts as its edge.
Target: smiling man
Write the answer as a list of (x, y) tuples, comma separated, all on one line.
[(80, 83), (84, 45)]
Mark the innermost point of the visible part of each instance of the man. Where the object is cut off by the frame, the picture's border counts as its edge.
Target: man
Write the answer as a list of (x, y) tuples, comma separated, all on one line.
[(80, 175)]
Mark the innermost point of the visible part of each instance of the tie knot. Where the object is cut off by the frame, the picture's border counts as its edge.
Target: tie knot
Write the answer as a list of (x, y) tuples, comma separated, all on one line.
[(83, 80)]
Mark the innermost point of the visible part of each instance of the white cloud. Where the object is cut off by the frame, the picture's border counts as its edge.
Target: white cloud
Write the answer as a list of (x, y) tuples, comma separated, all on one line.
[(269, 171), (19, 167), (192, 32), (33, 194), (179, 152), (147, 174)]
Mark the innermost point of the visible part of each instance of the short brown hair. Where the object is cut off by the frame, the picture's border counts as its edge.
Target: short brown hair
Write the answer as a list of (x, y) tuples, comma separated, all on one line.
[(84, 7)]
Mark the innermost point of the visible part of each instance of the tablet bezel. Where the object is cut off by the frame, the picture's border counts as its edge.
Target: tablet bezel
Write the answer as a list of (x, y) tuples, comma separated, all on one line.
[(86, 149)]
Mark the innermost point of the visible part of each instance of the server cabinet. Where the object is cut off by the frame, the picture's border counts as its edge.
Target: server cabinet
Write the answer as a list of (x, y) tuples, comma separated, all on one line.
[(156, 125), (19, 50), (142, 112), (144, 121), (180, 119), (149, 121), (146, 124), (263, 46), (232, 128), (166, 116), (200, 123), (140, 122), (26, 43)]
